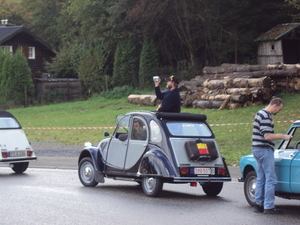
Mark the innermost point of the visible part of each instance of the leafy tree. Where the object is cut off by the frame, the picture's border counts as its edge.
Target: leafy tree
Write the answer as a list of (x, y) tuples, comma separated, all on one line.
[(148, 64), (41, 17)]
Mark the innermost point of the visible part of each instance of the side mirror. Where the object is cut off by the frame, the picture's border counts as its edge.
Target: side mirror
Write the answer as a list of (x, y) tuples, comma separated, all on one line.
[(106, 134)]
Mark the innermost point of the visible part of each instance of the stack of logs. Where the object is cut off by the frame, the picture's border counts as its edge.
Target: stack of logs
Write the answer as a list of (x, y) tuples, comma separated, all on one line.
[(231, 86)]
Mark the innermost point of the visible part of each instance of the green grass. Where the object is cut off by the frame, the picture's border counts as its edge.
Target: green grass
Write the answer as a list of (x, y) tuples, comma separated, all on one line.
[(234, 140)]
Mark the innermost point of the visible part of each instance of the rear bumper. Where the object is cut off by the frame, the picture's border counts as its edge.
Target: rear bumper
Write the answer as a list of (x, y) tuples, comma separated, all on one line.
[(201, 179), (18, 160)]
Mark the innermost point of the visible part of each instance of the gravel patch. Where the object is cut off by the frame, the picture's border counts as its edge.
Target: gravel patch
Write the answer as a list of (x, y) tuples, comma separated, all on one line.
[(52, 148)]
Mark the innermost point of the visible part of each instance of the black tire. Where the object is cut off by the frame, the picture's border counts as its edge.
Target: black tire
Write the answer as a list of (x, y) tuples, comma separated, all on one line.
[(212, 188), (249, 187), (20, 167), (152, 186), (86, 172)]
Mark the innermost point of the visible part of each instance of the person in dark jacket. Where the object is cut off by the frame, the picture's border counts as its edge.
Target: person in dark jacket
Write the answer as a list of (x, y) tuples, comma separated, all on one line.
[(170, 98)]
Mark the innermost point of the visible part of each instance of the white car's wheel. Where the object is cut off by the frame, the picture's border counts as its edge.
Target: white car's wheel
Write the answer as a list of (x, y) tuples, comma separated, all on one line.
[(86, 172), (20, 167)]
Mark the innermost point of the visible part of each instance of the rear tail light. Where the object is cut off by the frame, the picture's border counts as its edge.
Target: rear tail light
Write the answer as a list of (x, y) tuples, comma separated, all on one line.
[(222, 171), (29, 153), (193, 184), (184, 170), (4, 154)]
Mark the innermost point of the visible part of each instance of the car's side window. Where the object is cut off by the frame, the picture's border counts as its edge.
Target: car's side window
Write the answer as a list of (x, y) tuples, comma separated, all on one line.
[(155, 132), (293, 143), (122, 129), (139, 131)]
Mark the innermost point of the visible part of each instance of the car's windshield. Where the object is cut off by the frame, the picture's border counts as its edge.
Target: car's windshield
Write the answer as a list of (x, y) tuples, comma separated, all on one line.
[(6, 122), (189, 129)]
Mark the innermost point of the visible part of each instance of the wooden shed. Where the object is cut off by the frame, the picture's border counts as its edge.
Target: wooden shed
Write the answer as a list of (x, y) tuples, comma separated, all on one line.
[(281, 44), (69, 87), (37, 51)]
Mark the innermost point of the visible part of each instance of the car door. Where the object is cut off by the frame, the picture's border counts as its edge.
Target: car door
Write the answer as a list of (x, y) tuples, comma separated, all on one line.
[(287, 164), (137, 143), (116, 152), (295, 164)]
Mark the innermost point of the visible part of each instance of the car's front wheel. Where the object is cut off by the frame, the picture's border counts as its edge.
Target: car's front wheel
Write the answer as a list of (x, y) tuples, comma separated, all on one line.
[(249, 187), (20, 167), (212, 188), (152, 186), (86, 172)]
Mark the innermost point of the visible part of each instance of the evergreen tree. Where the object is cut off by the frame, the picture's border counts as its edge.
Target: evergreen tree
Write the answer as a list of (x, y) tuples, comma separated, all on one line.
[(148, 64), (125, 70), (16, 80)]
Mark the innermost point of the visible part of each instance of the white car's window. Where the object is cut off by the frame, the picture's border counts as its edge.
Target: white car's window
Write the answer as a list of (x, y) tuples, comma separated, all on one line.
[(155, 132), (189, 129), (6, 122)]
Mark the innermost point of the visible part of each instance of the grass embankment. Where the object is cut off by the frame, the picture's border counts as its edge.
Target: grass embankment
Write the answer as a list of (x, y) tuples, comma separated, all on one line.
[(234, 140)]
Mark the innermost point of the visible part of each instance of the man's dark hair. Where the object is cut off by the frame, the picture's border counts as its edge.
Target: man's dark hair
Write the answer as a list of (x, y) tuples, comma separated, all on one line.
[(139, 122), (276, 101)]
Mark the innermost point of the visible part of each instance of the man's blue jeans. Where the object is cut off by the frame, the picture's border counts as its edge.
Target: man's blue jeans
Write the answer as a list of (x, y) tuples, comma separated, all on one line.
[(266, 177)]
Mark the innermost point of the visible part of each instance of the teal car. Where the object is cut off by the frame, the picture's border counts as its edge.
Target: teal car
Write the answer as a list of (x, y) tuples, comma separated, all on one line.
[(287, 166)]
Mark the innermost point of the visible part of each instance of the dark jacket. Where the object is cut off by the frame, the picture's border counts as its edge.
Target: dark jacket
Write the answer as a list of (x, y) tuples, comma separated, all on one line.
[(170, 100)]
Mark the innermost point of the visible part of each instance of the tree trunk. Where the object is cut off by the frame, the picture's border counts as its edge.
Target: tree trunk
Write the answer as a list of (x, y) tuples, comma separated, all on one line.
[(142, 99), (205, 104), (217, 84), (241, 91), (254, 82)]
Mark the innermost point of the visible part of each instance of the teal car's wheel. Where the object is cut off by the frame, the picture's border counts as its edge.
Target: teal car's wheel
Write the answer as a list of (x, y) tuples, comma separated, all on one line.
[(86, 172), (249, 187), (152, 186)]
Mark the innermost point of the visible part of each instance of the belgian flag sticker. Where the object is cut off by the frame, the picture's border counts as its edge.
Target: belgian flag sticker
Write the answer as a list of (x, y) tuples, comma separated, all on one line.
[(202, 148)]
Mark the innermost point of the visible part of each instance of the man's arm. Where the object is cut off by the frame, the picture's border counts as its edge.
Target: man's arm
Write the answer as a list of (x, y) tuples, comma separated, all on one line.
[(158, 93), (273, 137)]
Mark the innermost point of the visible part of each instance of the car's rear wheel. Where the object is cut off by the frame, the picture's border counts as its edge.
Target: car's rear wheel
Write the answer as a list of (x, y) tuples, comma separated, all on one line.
[(249, 187), (152, 186), (86, 172), (212, 188), (20, 167)]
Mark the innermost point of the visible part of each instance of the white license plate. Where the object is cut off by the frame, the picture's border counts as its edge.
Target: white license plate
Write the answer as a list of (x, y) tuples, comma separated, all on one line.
[(202, 171), (17, 154)]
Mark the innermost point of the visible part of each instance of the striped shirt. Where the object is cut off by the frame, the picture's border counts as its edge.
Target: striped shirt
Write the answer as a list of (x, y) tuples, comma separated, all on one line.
[(263, 126)]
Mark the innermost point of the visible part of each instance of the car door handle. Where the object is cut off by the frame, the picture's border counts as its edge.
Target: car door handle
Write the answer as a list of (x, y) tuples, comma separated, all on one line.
[(291, 155)]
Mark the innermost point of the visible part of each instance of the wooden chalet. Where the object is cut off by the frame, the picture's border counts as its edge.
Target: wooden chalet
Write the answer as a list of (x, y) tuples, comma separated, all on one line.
[(34, 48), (281, 44)]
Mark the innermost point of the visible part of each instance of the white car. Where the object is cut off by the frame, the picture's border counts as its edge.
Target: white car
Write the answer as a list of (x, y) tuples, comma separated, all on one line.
[(15, 148)]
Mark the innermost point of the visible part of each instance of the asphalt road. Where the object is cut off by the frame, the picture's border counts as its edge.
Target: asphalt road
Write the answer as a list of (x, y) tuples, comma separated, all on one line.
[(72, 163), (56, 196)]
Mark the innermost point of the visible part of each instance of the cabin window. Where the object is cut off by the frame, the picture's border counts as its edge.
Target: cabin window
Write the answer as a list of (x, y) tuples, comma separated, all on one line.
[(272, 47), (7, 48), (31, 52)]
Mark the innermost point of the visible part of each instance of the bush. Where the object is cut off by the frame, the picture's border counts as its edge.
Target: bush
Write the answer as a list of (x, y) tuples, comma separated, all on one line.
[(117, 92)]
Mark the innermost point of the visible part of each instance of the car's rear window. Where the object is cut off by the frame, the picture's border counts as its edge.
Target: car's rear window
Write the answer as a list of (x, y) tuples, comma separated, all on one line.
[(6, 122), (189, 129)]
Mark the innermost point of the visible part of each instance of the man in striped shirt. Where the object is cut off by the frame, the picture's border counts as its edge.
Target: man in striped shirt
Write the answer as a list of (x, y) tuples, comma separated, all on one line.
[(263, 141)]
